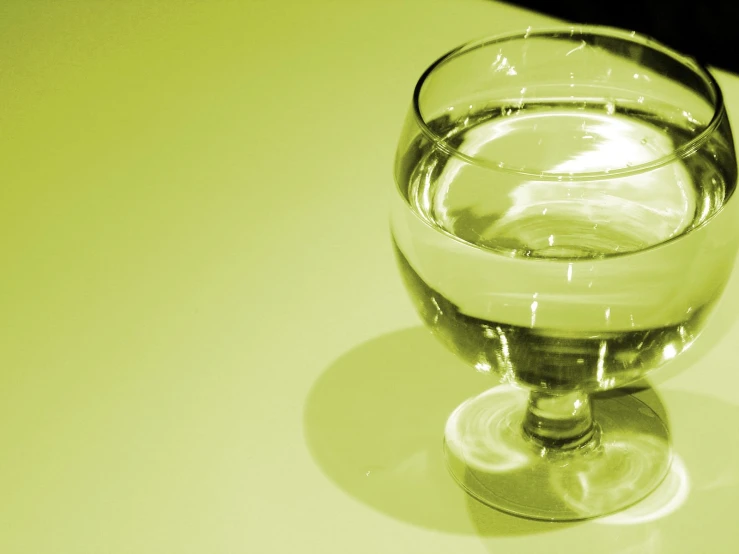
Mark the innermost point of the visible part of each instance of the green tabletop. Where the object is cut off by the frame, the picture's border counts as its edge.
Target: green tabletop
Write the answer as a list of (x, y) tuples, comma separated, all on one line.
[(204, 343)]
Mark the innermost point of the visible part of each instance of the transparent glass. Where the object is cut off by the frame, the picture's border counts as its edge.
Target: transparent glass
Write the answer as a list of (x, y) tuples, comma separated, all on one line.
[(564, 219)]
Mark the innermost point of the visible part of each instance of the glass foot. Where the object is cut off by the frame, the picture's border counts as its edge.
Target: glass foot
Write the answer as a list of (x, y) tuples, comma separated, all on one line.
[(493, 460)]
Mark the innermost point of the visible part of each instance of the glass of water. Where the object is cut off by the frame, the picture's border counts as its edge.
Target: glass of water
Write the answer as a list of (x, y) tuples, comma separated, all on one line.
[(564, 220)]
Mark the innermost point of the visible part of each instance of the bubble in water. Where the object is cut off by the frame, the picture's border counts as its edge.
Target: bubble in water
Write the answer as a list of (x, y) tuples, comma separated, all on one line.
[(610, 108)]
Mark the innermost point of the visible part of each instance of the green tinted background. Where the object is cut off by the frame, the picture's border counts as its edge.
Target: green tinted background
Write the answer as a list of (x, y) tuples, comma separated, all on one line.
[(194, 251)]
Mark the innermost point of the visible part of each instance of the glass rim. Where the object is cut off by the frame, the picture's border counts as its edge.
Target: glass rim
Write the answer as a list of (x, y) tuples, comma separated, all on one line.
[(679, 153)]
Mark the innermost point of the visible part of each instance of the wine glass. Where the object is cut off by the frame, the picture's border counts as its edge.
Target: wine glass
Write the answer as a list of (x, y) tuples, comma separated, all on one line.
[(564, 220)]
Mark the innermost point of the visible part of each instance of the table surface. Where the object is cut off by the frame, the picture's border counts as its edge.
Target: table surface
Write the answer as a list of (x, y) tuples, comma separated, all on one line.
[(204, 343)]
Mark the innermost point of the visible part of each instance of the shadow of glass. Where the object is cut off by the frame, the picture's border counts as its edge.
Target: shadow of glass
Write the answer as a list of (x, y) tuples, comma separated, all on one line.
[(374, 424), (692, 511)]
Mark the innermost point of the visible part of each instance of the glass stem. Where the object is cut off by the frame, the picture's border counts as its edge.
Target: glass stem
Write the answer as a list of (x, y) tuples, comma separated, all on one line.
[(560, 421)]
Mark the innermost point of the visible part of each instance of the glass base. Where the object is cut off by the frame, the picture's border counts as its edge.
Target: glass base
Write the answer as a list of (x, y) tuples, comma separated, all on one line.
[(490, 457)]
